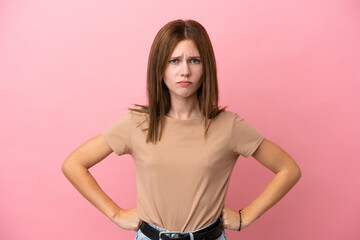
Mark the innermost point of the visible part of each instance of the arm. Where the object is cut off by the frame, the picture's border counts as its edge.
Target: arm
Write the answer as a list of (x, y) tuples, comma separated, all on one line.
[(287, 175), (75, 168)]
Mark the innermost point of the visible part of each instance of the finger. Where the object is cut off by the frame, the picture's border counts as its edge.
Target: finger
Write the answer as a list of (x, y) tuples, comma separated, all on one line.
[(223, 213), (136, 228), (139, 224)]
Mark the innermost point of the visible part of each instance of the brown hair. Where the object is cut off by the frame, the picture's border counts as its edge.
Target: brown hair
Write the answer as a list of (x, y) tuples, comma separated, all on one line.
[(157, 92)]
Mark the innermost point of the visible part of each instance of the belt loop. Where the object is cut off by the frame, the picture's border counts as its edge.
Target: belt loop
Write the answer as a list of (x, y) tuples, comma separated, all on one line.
[(191, 236)]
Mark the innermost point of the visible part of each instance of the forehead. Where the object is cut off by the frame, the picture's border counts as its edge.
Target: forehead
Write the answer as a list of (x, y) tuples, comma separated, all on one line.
[(187, 47)]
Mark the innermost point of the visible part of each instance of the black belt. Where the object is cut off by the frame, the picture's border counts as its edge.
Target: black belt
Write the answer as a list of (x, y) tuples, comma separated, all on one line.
[(211, 232)]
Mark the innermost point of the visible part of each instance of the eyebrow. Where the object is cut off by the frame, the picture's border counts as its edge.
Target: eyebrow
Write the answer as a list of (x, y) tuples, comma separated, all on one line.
[(188, 57)]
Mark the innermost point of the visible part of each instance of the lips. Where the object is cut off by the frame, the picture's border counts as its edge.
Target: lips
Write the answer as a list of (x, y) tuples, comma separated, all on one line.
[(184, 82)]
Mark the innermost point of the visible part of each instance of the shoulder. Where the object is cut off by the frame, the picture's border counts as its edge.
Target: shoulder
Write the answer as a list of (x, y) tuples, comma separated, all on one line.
[(138, 117), (224, 120), (228, 115), (137, 114)]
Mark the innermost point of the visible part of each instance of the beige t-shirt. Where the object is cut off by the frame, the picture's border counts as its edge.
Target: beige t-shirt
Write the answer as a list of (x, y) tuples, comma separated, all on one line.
[(183, 179)]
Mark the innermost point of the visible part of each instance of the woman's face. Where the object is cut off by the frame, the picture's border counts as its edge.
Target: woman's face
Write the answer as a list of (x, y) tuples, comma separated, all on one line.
[(184, 70)]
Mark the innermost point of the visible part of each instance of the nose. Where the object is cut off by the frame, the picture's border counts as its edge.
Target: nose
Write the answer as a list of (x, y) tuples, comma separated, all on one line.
[(185, 70)]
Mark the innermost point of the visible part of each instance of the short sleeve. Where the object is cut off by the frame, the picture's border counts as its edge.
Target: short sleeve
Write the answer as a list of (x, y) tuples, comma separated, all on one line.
[(245, 138), (118, 135)]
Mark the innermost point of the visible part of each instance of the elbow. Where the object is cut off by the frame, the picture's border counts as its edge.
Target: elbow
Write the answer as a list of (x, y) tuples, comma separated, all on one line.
[(296, 173), (71, 167), (293, 172), (65, 167)]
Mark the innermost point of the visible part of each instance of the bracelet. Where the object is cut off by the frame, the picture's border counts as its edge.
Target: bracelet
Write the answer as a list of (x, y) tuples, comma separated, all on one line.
[(240, 220)]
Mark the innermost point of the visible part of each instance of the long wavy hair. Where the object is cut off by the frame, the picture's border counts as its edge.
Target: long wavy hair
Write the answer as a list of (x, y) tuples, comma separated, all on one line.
[(158, 95)]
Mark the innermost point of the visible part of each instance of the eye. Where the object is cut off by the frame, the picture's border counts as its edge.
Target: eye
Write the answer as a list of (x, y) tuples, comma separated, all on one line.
[(195, 60), (174, 61)]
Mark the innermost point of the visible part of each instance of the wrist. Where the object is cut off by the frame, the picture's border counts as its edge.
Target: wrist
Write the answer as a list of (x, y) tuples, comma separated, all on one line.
[(240, 221), (245, 219), (116, 215)]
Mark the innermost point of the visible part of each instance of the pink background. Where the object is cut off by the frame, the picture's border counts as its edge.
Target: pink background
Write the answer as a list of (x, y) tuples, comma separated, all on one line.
[(69, 69)]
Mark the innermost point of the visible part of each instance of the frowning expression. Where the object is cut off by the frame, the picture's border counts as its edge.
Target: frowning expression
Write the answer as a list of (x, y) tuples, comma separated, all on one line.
[(184, 70)]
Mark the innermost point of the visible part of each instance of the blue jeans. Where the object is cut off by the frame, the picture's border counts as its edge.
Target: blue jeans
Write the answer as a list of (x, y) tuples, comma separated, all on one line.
[(141, 236)]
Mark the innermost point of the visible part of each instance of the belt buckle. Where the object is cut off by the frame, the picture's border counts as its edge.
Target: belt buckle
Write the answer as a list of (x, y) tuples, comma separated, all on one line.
[(169, 232)]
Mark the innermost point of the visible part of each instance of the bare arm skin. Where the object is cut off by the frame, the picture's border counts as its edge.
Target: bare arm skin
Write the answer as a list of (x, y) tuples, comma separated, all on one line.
[(75, 168), (287, 174)]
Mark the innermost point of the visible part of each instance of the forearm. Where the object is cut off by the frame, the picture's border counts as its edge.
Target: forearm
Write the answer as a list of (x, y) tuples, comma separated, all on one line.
[(86, 184), (277, 188)]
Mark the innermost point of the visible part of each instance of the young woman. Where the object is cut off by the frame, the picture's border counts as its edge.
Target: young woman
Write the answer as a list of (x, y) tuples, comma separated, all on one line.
[(184, 147)]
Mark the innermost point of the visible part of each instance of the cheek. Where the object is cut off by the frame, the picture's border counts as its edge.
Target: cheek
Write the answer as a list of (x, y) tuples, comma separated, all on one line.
[(199, 72), (169, 73), (166, 76)]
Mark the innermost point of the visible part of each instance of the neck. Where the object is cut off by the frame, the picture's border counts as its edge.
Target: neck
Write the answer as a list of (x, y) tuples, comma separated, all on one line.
[(184, 108)]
